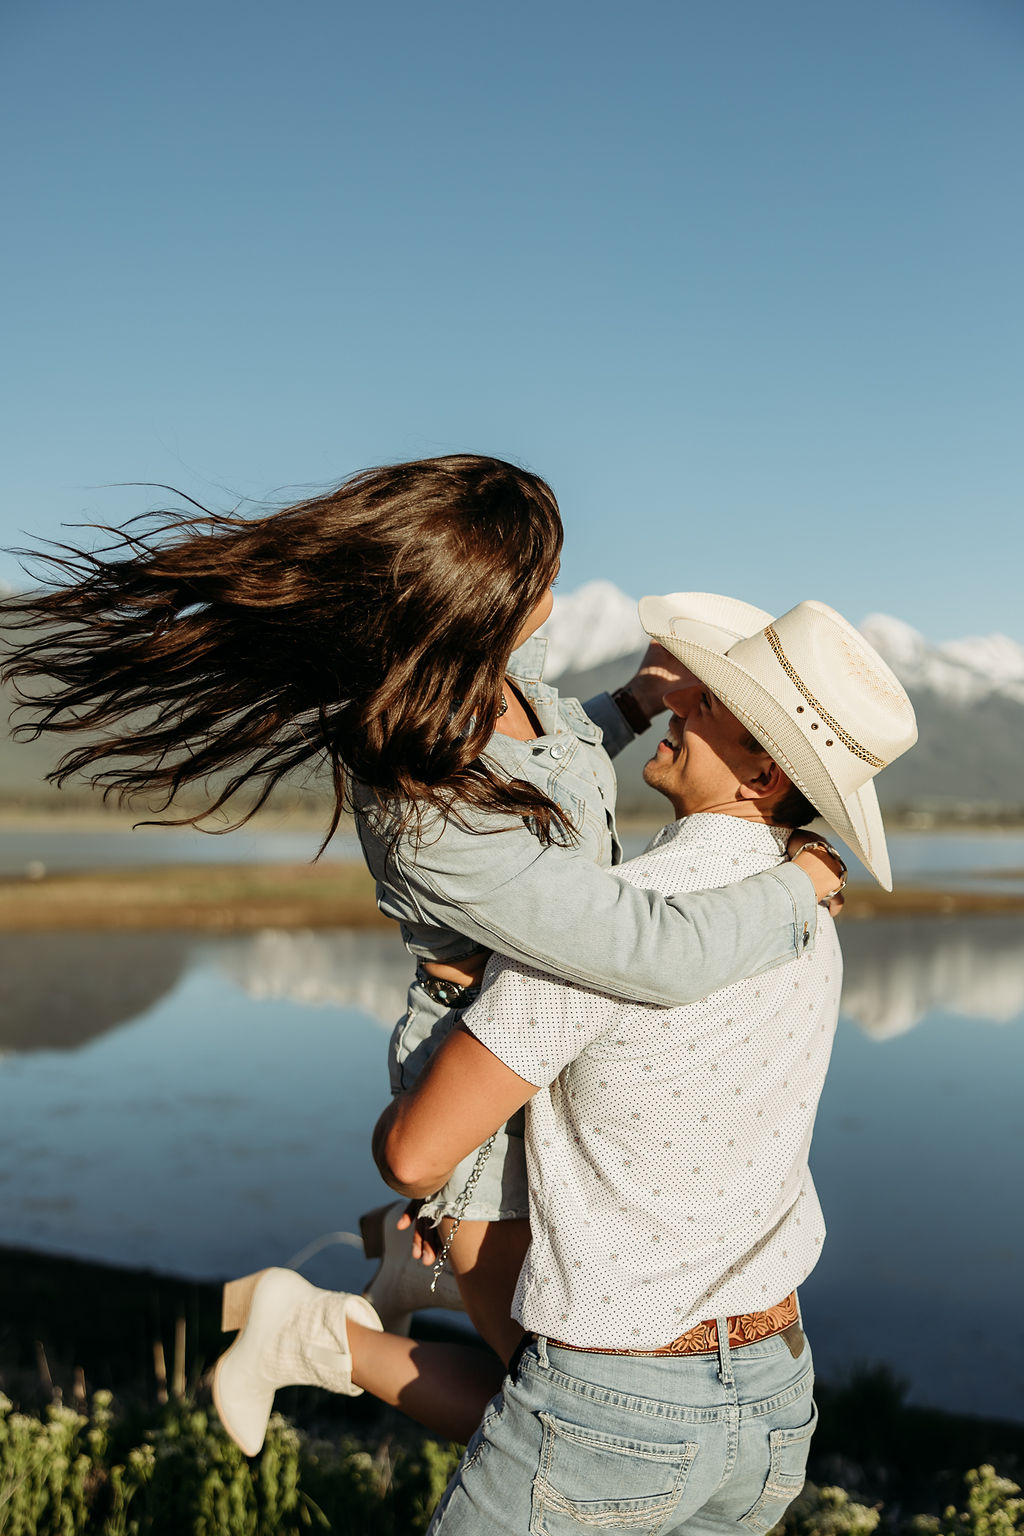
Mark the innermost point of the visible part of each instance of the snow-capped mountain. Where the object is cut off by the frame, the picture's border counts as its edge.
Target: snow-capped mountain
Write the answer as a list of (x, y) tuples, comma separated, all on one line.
[(594, 624), (598, 623), (968, 694), (962, 671)]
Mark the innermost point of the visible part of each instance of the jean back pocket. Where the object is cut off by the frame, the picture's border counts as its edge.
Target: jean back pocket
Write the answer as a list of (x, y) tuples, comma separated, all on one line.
[(606, 1482), (786, 1473)]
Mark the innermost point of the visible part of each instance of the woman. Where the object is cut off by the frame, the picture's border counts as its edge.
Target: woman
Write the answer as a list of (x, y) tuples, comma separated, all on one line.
[(370, 631)]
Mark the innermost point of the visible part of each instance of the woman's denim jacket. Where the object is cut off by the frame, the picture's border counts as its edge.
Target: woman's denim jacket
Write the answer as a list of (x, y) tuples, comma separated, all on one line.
[(561, 909)]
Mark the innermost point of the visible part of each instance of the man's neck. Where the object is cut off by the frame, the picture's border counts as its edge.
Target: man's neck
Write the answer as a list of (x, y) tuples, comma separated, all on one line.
[(743, 810)]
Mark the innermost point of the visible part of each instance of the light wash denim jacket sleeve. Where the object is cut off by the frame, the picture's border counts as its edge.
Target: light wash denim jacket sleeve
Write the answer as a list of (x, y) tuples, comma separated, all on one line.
[(464, 885)]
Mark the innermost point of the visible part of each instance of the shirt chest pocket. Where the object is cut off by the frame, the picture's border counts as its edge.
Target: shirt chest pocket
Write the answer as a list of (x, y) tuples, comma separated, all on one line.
[(587, 820)]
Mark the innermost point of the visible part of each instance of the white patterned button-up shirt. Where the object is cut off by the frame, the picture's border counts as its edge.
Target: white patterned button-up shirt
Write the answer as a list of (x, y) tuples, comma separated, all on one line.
[(667, 1148)]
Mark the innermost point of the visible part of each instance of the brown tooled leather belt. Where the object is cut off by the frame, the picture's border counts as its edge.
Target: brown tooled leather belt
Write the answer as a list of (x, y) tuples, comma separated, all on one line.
[(702, 1339)]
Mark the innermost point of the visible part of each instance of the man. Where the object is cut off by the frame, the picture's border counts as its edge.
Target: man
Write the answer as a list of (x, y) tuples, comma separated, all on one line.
[(664, 1380)]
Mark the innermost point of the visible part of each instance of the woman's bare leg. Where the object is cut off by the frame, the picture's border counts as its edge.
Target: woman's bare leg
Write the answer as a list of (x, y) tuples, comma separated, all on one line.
[(444, 1387), (486, 1258)]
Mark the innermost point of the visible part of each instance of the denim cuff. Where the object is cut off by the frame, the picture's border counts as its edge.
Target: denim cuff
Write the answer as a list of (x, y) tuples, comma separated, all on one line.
[(615, 728), (800, 888)]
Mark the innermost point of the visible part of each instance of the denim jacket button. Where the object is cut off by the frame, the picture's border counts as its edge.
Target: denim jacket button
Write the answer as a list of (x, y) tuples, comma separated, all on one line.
[(557, 752)]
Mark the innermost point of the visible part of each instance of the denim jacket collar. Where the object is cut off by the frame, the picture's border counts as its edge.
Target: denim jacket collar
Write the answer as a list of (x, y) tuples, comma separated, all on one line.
[(525, 668), (526, 665)]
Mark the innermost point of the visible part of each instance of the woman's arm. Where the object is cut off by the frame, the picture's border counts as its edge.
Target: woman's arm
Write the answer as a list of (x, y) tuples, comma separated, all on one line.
[(622, 720), (552, 908)]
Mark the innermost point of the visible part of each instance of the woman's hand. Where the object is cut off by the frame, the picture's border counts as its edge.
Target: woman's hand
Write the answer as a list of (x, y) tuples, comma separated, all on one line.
[(826, 872), (658, 673), (424, 1237)]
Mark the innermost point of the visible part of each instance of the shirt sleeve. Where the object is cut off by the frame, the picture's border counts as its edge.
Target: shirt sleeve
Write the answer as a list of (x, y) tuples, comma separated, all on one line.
[(552, 908), (534, 1023)]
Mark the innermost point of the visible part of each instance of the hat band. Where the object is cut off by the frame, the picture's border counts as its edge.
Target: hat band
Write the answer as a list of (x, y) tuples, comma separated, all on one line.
[(844, 736)]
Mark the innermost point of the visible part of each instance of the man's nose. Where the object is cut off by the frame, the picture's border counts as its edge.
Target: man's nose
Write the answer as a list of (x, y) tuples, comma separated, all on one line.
[(680, 700)]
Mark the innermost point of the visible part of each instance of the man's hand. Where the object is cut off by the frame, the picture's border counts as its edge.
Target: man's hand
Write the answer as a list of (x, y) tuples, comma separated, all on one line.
[(659, 673)]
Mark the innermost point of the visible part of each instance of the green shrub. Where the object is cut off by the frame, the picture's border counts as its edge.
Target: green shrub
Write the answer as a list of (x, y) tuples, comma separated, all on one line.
[(64, 1474), (826, 1512), (994, 1508), (72, 1473)]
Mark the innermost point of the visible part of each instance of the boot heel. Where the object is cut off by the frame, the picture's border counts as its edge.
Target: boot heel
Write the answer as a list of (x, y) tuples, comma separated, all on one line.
[(236, 1301), (371, 1230)]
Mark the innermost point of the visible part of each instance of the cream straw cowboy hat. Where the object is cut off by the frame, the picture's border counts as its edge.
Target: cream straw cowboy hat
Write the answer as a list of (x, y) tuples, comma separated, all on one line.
[(818, 698)]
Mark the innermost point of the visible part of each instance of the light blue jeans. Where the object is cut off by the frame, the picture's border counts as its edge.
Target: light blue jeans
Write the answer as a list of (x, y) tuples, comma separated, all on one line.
[(638, 1445)]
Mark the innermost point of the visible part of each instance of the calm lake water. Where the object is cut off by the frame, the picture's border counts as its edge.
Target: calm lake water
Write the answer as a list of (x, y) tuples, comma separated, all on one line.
[(947, 858), (203, 1107)]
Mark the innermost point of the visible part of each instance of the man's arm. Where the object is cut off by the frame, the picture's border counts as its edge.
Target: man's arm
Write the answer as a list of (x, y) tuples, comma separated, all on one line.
[(462, 1097)]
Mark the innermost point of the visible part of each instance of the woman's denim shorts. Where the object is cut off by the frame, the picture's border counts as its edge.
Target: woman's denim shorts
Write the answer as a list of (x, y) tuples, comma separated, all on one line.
[(500, 1193)]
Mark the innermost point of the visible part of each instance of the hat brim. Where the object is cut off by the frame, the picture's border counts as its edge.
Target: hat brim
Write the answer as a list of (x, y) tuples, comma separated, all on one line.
[(711, 620), (856, 818)]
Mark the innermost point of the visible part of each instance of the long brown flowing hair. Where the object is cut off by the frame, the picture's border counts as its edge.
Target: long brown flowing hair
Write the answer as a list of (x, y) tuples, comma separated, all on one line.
[(367, 629)]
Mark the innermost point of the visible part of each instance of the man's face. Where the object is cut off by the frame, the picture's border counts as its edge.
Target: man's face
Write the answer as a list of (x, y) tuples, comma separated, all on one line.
[(707, 761)]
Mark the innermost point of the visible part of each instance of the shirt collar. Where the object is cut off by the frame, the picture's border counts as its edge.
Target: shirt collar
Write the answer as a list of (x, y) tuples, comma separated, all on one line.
[(724, 831)]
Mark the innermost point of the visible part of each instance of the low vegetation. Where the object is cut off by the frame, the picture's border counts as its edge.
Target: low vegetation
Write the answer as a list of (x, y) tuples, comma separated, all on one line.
[(153, 1459), (221, 898), (71, 1471)]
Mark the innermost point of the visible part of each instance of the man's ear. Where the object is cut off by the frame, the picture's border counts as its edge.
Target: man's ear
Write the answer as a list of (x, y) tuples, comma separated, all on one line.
[(766, 780)]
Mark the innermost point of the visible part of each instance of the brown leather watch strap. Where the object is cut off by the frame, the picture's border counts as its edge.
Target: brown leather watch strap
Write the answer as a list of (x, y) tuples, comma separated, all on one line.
[(630, 710)]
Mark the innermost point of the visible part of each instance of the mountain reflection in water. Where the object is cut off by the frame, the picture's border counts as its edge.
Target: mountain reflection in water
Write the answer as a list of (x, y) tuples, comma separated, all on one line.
[(203, 1106), (896, 973), (61, 990)]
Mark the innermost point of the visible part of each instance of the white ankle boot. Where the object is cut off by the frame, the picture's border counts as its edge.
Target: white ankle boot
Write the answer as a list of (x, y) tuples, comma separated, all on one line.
[(292, 1334), (401, 1285)]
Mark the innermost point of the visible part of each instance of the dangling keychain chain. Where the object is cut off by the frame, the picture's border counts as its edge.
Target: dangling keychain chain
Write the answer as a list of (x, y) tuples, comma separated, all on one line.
[(460, 1208)]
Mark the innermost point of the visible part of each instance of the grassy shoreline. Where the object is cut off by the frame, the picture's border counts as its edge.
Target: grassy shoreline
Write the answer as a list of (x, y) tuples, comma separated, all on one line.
[(87, 813), (206, 897), (245, 897)]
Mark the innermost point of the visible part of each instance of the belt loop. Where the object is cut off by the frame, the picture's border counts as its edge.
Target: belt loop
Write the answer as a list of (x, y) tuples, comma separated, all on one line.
[(725, 1375), (517, 1355), (542, 1352)]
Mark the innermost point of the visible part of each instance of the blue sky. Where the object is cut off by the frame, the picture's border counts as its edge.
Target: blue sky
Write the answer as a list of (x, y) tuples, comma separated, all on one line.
[(741, 279)]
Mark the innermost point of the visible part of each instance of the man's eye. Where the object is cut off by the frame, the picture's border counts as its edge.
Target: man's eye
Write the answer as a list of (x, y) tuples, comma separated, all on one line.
[(705, 699)]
